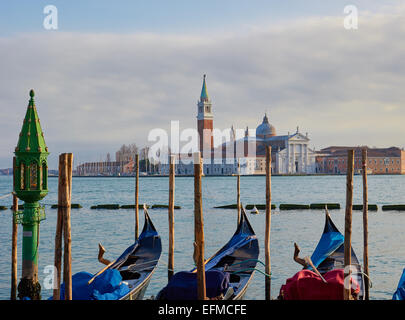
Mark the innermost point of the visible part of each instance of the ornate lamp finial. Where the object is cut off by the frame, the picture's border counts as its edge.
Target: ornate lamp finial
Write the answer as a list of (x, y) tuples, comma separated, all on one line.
[(30, 186)]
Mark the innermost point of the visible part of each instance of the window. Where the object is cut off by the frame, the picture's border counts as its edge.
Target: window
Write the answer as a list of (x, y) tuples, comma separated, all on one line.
[(22, 176), (33, 176), (41, 180), (44, 176)]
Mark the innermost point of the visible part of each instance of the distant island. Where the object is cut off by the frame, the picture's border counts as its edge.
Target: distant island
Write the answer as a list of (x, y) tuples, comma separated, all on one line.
[(9, 172)]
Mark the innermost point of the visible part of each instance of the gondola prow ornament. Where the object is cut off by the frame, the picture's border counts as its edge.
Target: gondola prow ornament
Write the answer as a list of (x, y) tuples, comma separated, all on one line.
[(30, 185)]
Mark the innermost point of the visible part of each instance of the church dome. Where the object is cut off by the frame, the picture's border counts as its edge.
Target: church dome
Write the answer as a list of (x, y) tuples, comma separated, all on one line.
[(265, 129)]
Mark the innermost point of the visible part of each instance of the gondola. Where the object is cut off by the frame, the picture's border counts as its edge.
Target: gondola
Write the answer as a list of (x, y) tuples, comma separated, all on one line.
[(138, 263), (135, 266), (230, 270), (329, 256)]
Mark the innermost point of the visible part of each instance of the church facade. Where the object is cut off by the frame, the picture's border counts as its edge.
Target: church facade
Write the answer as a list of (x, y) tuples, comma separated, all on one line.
[(290, 154)]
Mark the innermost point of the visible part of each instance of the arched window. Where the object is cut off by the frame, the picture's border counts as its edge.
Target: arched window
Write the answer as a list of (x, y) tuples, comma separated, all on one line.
[(22, 176), (44, 176), (40, 176), (33, 176)]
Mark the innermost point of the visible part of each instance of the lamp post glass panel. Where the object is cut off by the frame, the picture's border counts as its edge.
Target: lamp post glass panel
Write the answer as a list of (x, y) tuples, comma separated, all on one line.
[(30, 185)]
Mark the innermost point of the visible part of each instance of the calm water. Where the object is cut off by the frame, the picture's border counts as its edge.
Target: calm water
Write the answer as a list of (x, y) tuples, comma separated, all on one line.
[(114, 229)]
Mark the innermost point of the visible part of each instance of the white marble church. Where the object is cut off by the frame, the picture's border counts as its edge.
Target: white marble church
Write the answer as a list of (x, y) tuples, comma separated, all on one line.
[(290, 153)]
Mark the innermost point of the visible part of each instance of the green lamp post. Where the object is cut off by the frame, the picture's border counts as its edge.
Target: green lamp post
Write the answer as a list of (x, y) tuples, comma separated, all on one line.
[(30, 185)]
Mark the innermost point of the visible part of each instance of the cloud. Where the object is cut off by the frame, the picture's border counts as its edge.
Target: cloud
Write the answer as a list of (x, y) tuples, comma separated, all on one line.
[(95, 92)]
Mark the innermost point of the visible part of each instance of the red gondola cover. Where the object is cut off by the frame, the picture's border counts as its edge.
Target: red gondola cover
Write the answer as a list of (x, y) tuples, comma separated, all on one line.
[(307, 285)]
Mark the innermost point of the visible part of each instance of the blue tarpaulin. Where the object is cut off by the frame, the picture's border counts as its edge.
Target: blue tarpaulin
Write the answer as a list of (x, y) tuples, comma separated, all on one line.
[(106, 286), (400, 293), (183, 285)]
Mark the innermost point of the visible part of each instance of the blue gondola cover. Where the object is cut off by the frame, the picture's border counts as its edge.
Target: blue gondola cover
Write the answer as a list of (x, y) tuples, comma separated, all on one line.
[(107, 286), (183, 285), (400, 293)]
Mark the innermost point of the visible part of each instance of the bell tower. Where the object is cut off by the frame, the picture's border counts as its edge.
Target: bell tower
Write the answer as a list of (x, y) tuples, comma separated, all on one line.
[(205, 120)]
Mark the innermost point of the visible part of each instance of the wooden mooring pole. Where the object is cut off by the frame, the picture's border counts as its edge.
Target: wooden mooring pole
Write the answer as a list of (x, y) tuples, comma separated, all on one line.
[(59, 227), (365, 224), (238, 192), (268, 224), (137, 196), (170, 266), (348, 226), (13, 294), (67, 254), (199, 228), (63, 226)]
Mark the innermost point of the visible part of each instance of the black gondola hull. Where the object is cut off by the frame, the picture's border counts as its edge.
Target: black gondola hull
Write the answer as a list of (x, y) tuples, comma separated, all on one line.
[(238, 258)]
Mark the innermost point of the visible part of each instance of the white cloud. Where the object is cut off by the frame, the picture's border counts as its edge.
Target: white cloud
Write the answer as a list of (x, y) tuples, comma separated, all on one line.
[(95, 92)]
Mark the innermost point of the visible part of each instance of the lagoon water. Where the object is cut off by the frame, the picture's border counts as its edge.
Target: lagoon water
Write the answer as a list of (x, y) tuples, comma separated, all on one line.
[(115, 228)]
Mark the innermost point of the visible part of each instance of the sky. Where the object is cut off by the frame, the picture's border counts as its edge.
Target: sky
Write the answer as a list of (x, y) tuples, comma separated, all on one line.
[(115, 70)]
